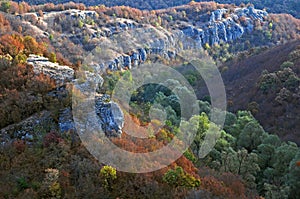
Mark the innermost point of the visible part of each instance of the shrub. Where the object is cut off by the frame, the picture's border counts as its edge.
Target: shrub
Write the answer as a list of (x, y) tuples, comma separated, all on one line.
[(189, 155), (216, 187), (22, 183), (19, 145), (269, 82), (179, 178), (55, 190), (292, 82), (52, 57), (20, 58), (287, 64), (5, 5), (108, 174), (51, 137), (11, 44), (51, 187)]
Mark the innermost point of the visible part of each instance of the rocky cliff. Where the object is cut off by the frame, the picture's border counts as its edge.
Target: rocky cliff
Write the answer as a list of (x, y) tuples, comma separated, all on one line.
[(164, 43), (142, 40)]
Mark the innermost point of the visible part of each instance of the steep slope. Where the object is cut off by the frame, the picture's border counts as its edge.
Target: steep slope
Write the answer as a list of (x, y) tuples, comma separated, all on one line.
[(242, 81), (47, 160), (276, 6)]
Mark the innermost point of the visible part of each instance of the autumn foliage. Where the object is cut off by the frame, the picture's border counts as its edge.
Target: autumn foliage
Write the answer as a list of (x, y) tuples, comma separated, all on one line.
[(4, 25), (51, 138), (20, 89)]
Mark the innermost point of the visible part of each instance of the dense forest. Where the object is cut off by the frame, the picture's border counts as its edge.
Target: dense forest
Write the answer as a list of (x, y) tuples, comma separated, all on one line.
[(256, 154)]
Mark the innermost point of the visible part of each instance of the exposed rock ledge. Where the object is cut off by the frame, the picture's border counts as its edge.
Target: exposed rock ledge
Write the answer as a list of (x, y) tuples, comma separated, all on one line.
[(27, 129), (111, 117), (61, 74), (223, 26)]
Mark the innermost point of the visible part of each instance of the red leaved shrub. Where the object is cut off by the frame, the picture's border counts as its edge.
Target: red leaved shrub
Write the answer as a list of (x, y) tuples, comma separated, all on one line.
[(51, 138), (19, 145), (216, 187)]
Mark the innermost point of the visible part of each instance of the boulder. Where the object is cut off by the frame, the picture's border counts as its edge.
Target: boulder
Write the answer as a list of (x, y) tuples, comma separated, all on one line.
[(143, 54), (111, 116), (127, 61), (135, 58)]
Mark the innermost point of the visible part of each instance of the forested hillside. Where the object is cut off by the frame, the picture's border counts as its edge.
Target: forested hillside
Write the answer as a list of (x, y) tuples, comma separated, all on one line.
[(44, 62), (275, 6), (268, 84)]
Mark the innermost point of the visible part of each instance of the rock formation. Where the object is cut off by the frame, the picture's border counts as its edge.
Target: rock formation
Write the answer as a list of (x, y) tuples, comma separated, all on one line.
[(61, 74), (111, 116), (223, 26), (225, 29)]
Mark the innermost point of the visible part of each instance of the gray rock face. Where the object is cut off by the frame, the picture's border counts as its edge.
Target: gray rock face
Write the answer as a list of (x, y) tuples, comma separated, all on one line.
[(219, 14), (127, 61), (218, 29), (143, 54), (61, 74), (111, 116), (66, 122), (225, 29), (120, 26), (27, 129), (137, 57)]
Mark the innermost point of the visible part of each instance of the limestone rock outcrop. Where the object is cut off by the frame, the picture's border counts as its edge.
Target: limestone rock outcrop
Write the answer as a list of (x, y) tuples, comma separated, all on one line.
[(61, 74), (223, 26), (226, 29), (111, 116)]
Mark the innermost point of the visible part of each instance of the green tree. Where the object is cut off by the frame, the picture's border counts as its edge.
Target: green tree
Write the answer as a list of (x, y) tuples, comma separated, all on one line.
[(241, 163), (281, 160), (243, 118), (203, 126), (178, 177), (204, 106), (5, 6), (294, 176), (268, 82), (265, 152), (108, 175), (250, 136), (267, 149), (286, 64), (223, 143), (52, 57), (274, 192), (275, 180)]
